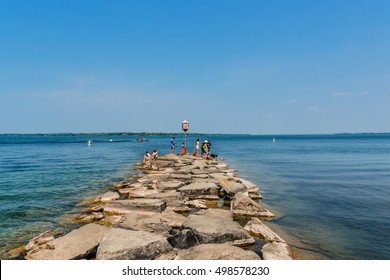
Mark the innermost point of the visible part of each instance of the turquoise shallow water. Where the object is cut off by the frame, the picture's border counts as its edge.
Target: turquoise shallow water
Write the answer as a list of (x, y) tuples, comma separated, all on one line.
[(332, 192)]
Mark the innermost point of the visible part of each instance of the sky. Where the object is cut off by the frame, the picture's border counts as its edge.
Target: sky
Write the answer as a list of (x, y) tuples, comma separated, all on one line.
[(257, 67)]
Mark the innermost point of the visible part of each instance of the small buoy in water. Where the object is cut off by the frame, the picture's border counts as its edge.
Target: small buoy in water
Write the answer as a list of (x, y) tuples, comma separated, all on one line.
[(110, 140), (273, 140)]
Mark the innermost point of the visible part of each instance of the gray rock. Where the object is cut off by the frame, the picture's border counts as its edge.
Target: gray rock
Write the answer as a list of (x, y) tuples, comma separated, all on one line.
[(243, 205), (216, 252), (122, 244), (215, 226), (185, 239), (77, 244), (196, 190), (141, 204), (275, 251)]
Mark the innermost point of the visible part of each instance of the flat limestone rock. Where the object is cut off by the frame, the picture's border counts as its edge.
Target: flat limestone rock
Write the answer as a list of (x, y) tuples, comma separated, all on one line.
[(172, 218), (216, 252), (231, 188), (108, 196), (195, 190), (243, 205), (219, 176), (215, 226), (169, 185), (276, 251), (138, 204), (257, 228), (200, 171), (39, 240), (77, 244), (180, 176), (122, 244), (146, 222), (141, 192)]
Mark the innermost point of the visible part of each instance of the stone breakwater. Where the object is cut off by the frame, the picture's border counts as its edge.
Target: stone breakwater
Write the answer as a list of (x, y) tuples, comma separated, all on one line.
[(179, 208)]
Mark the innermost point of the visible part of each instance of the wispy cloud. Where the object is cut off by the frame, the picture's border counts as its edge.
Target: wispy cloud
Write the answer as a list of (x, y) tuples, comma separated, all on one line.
[(292, 101), (314, 109), (342, 93)]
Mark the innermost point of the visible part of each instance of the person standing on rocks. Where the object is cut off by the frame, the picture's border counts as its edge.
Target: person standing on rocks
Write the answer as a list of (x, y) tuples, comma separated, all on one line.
[(173, 143), (183, 149), (197, 147)]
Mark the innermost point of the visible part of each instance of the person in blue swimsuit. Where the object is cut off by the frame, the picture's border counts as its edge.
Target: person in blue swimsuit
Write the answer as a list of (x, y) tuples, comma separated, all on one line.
[(173, 143)]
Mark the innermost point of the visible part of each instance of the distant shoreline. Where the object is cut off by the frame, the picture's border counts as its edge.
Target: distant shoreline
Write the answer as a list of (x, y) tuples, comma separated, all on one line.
[(190, 133)]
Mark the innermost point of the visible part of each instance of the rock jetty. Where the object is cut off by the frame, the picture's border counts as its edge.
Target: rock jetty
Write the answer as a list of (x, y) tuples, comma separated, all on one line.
[(178, 208)]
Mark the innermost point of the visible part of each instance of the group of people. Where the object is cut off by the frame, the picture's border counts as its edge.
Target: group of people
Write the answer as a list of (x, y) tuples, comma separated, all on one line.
[(149, 156), (203, 149)]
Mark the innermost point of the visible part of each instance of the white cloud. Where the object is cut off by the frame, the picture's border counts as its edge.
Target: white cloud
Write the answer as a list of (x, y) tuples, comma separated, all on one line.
[(342, 93), (292, 101), (314, 109)]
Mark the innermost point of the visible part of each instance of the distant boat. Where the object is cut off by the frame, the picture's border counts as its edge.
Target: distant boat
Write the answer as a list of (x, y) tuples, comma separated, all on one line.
[(142, 139)]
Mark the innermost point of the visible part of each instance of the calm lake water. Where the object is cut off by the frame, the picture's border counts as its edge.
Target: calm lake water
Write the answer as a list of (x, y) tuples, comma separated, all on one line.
[(331, 192)]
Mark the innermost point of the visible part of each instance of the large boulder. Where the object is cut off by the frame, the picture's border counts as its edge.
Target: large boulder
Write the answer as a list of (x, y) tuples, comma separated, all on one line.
[(243, 205), (77, 244), (122, 244), (257, 228), (276, 251), (216, 252), (215, 226), (230, 187), (126, 206), (39, 240)]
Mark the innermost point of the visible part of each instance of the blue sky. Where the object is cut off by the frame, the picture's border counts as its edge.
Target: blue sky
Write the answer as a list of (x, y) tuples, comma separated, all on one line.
[(259, 67)]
